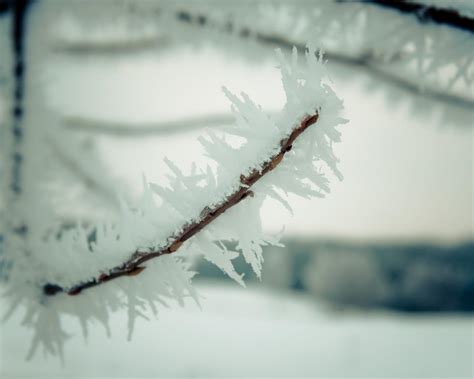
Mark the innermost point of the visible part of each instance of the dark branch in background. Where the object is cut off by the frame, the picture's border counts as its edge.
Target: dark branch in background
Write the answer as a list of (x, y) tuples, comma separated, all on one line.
[(19, 9), (109, 47), (131, 129), (403, 83), (366, 62), (5, 6), (132, 266), (427, 13)]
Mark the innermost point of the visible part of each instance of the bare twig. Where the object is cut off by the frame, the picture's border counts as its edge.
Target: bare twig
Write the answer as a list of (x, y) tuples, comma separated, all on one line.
[(133, 265)]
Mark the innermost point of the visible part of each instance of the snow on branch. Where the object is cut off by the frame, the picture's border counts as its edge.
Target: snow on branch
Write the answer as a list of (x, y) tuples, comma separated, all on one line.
[(432, 58), (429, 12), (132, 266), (424, 47), (250, 118), (12, 133), (259, 156)]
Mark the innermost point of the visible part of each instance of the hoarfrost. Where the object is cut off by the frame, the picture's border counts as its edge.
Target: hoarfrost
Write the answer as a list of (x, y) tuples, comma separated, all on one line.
[(67, 257)]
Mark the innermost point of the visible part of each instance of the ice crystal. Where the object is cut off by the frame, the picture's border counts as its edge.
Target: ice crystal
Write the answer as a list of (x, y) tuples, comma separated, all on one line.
[(65, 257)]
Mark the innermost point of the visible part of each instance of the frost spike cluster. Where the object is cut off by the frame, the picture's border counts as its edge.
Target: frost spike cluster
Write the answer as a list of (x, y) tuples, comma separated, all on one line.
[(87, 254)]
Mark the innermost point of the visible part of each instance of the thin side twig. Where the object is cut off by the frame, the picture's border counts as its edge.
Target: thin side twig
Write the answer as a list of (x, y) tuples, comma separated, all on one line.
[(133, 266)]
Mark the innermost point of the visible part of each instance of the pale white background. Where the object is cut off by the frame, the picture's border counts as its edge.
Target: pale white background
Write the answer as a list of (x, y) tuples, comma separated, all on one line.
[(407, 177)]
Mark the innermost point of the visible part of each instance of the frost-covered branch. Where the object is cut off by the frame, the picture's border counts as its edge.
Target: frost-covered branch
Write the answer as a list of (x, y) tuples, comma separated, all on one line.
[(391, 46), (426, 12), (187, 216), (4, 6), (13, 222), (17, 38), (208, 214), (375, 64)]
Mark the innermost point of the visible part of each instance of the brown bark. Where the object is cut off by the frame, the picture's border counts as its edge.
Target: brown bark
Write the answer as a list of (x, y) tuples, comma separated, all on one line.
[(132, 266)]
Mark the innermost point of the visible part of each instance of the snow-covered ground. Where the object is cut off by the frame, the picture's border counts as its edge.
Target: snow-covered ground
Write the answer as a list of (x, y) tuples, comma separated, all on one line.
[(255, 332)]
